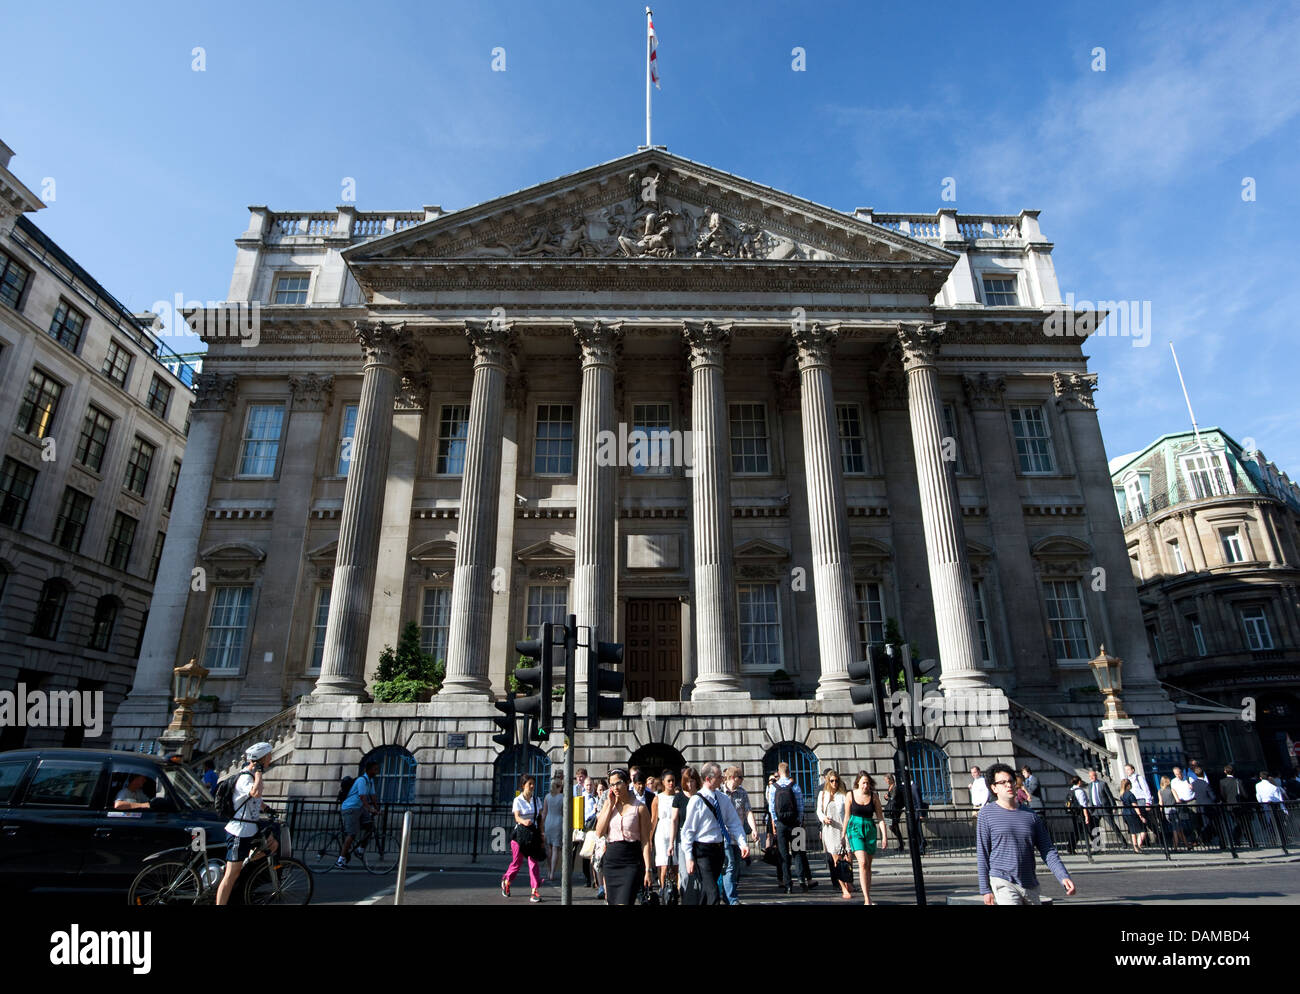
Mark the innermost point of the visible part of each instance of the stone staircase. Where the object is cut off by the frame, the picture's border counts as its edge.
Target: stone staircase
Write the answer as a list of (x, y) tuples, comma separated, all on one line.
[(1056, 753), (279, 730)]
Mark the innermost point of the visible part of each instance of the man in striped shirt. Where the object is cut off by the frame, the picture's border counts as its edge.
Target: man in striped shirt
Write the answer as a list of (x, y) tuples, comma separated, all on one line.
[(1005, 839)]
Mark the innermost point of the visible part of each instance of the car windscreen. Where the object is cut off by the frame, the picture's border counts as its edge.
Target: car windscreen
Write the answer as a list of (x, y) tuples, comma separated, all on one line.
[(186, 787)]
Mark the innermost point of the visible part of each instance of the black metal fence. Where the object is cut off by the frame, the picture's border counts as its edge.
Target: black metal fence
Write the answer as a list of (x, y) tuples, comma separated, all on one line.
[(482, 831)]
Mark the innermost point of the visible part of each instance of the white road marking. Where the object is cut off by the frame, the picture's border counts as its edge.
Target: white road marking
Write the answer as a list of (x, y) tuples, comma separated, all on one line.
[(390, 891)]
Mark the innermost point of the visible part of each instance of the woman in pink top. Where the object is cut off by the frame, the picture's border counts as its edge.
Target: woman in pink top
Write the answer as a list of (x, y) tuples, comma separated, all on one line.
[(624, 822)]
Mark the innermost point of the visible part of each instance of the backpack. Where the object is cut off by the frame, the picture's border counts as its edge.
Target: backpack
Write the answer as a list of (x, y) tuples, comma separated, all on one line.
[(784, 807), (225, 796), (345, 788)]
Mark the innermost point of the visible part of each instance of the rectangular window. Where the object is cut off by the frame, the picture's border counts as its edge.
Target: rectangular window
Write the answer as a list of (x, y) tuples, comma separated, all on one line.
[(1258, 637), (94, 438), (67, 326), (40, 403), (1000, 291), (70, 525), (1137, 491), (749, 451), (545, 604), (871, 617), (982, 624), (138, 465), (347, 438), (13, 279), (155, 557), (117, 364), (453, 432), (227, 626), (160, 395), (853, 443), (1033, 440), (261, 439), (553, 454), (1157, 648), (16, 482), (1066, 620), (760, 625), (120, 540), (1176, 554), (319, 624), (1205, 476), (435, 621), (1198, 636), (291, 289), (950, 431), (172, 480), (652, 448), (1232, 551)]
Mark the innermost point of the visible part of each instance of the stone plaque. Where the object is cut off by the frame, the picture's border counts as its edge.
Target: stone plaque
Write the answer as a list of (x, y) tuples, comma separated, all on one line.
[(653, 552), (456, 740)]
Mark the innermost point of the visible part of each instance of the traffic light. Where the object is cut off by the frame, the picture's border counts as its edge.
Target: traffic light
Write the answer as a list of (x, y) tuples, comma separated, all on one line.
[(542, 677), (506, 737), (600, 679), (868, 690)]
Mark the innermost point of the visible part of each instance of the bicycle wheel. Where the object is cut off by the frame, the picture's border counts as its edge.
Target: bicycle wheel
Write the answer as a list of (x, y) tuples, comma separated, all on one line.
[(290, 884), (172, 882), (381, 852), (322, 852)]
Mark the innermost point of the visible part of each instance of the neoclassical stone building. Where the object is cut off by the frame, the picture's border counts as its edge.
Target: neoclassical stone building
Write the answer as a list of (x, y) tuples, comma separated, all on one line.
[(878, 426)]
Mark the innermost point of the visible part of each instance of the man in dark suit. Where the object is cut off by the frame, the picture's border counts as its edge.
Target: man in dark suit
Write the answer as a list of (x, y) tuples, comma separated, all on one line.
[(1102, 802), (1236, 814), (1203, 811)]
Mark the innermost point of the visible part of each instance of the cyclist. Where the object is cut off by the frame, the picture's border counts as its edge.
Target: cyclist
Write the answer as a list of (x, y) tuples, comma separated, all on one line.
[(358, 809), (243, 828)]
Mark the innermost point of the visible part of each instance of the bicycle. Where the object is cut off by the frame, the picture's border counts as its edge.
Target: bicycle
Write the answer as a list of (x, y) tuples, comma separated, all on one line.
[(375, 847), (189, 876)]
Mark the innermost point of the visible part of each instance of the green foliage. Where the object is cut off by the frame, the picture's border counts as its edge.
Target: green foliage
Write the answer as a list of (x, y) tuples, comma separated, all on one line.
[(407, 672), (894, 637)]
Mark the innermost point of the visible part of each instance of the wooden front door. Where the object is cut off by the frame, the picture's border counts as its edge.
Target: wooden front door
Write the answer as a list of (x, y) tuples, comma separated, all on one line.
[(652, 653)]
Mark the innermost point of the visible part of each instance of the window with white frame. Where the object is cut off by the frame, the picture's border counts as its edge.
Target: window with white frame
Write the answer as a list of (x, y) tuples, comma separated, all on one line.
[(435, 622), (1033, 439), (261, 439), (760, 625), (651, 440), (453, 435), (1000, 290), (553, 447), (1198, 636), (1232, 548), (950, 431), (1205, 475), (1066, 620), (853, 442), (749, 442), (871, 617), (347, 438), (319, 623), (1137, 492), (291, 288), (227, 628), (1176, 555), (982, 624), (1258, 637), (545, 603)]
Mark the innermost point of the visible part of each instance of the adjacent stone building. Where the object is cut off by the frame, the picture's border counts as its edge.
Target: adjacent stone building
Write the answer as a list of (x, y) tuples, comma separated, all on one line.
[(96, 434), (1213, 534), (880, 422)]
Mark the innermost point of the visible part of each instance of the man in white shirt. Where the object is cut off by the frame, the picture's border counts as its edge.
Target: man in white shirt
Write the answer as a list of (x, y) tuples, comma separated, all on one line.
[(1273, 803), (132, 797), (1138, 781), (979, 790), (711, 824), (1183, 792), (242, 830), (579, 782)]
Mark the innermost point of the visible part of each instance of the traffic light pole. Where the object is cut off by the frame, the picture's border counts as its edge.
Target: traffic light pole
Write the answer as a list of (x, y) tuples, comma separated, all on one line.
[(570, 727), (903, 774)]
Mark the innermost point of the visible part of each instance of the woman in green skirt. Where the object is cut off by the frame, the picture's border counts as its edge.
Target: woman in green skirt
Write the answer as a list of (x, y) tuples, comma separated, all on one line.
[(866, 821)]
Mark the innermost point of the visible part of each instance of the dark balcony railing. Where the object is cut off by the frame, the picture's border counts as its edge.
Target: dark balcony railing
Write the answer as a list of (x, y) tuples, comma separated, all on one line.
[(1221, 488)]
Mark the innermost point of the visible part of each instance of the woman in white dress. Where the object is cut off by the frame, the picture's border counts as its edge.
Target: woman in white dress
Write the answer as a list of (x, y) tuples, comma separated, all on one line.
[(830, 812), (553, 825), (663, 816)]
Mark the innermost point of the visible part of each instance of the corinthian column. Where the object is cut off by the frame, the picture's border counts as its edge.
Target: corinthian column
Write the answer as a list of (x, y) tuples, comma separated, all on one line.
[(342, 673), (828, 520), (945, 543), (717, 659), (594, 561), (469, 639)]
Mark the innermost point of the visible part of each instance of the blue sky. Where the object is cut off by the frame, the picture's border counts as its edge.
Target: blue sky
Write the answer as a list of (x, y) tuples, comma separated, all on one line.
[(1138, 170)]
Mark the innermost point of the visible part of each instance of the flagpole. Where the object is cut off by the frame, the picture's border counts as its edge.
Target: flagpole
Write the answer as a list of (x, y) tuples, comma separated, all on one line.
[(1195, 430), (648, 19)]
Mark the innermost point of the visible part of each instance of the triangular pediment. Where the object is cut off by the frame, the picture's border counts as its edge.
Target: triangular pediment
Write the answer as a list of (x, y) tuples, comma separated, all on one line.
[(545, 551), (649, 207), (758, 549)]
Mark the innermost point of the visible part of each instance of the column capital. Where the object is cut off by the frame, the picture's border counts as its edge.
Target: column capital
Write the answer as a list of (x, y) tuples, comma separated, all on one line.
[(600, 343), (889, 389), (311, 392), (1074, 390), (413, 391), (814, 342), (214, 391), (787, 389), (492, 342), (385, 344), (706, 342), (918, 343), (984, 392), (516, 390)]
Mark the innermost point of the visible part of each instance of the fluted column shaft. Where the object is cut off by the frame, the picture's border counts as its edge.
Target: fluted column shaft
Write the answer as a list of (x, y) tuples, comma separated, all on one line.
[(594, 560), (837, 639), (717, 657), (469, 639), (347, 627), (945, 541)]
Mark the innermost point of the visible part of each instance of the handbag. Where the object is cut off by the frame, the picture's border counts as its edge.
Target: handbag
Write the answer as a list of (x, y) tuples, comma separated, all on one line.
[(843, 872), (771, 856), (588, 849)]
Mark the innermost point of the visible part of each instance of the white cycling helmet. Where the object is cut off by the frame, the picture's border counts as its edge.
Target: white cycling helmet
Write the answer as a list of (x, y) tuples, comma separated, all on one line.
[(254, 752)]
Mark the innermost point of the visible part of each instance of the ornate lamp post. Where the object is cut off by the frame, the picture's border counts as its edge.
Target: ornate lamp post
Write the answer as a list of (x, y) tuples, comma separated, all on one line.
[(187, 682), (1119, 730)]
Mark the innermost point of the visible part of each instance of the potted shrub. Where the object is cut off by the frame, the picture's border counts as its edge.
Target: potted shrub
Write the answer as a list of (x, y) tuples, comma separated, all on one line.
[(407, 674)]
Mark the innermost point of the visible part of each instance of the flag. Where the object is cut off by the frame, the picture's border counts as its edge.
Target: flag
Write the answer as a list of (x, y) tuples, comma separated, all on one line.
[(654, 45)]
